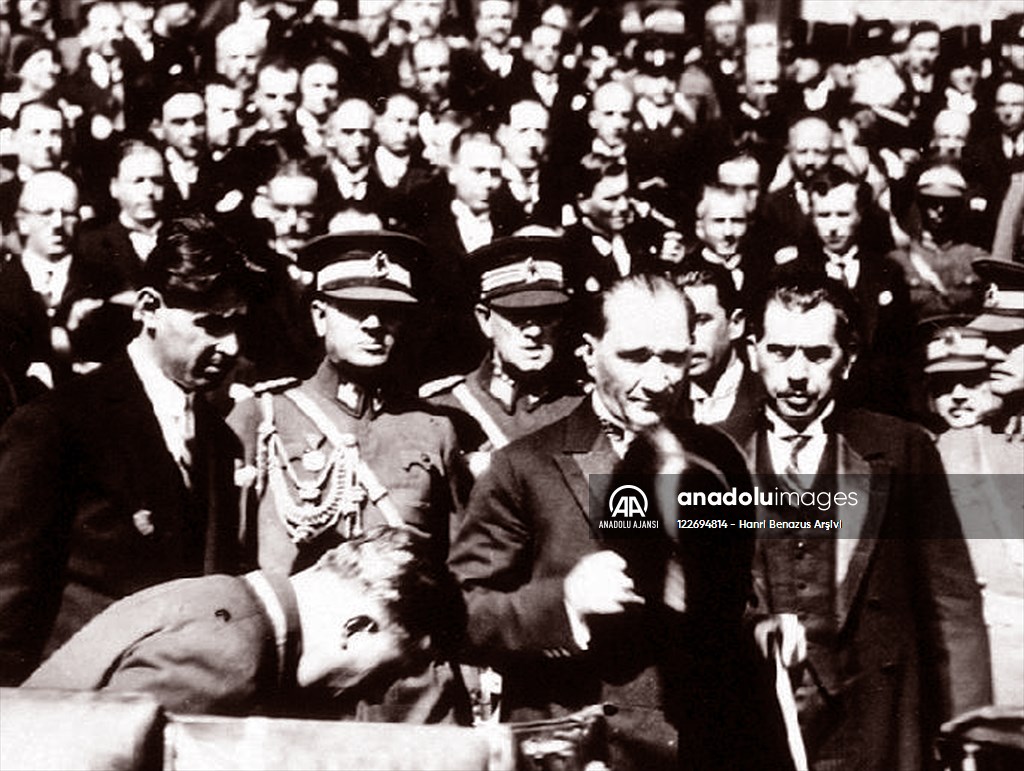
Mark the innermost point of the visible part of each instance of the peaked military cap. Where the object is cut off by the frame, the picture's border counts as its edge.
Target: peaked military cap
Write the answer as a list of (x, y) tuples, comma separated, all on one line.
[(956, 349), (1003, 307), (371, 266), (522, 272)]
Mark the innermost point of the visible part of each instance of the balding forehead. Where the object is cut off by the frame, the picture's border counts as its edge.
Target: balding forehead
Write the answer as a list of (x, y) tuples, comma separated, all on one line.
[(809, 128), (952, 121), (49, 187), (1011, 90), (352, 113), (35, 110), (527, 112), (612, 94)]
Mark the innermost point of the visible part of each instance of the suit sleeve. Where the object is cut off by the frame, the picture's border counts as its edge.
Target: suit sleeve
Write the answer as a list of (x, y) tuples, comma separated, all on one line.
[(209, 665), (35, 525), (948, 590), (511, 611)]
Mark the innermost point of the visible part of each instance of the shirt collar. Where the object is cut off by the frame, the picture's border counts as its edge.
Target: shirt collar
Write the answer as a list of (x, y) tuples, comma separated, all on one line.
[(619, 436), (167, 397), (778, 426), (726, 385)]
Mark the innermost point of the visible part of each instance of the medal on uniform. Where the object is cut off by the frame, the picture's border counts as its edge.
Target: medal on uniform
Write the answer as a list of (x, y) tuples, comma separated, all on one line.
[(313, 461)]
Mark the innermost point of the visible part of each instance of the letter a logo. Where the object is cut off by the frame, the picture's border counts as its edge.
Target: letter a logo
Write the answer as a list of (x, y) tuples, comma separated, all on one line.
[(627, 501)]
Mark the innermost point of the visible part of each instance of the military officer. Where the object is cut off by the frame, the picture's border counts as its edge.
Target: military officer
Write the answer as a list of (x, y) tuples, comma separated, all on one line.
[(525, 380), (342, 451)]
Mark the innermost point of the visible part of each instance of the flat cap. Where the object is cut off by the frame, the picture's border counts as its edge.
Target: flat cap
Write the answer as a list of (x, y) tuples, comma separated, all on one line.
[(367, 265), (522, 272)]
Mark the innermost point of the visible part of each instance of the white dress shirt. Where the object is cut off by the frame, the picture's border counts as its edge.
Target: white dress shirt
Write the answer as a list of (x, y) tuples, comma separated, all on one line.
[(843, 267), (171, 405), (49, 279), (780, 443), (715, 407), (475, 230)]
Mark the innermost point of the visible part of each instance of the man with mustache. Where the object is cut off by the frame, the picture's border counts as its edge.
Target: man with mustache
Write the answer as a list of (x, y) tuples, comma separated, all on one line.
[(124, 478), (879, 622), (347, 449), (543, 593)]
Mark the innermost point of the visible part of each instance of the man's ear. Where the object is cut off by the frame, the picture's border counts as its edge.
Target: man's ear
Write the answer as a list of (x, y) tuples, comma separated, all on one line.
[(483, 318), (318, 312), (737, 325), (261, 204), (751, 344), (357, 625), (156, 128), (587, 352), (147, 302), (851, 359)]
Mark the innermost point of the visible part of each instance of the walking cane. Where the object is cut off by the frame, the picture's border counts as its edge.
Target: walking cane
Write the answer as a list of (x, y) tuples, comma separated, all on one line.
[(787, 704)]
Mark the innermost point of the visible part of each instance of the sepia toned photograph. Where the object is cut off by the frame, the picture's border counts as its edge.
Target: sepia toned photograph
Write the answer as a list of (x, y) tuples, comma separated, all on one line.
[(512, 385)]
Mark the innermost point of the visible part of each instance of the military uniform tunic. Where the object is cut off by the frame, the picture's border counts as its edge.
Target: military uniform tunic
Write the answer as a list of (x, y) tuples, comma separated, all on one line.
[(486, 396), (411, 451)]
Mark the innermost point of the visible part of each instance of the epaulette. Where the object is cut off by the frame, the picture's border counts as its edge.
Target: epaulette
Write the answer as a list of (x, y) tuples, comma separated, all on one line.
[(275, 386), (435, 387)]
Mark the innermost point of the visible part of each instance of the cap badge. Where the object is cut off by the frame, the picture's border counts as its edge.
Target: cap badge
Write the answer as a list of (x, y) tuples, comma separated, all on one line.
[(379, 265), (991, 296), (531, 270)]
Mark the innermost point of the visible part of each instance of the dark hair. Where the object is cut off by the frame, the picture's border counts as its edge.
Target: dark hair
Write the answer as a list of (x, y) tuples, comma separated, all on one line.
[(399, 568), (181, 85), (832, 176), (709, 274), (194, 265), (801, 289), (595, 318), (588, 175)]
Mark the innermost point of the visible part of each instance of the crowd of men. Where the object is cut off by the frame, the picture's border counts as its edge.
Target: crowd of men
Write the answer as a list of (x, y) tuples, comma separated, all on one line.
[(276, 276)]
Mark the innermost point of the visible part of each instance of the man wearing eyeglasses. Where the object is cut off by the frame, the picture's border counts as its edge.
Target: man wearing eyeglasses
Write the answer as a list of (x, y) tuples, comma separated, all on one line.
[(41, 280)]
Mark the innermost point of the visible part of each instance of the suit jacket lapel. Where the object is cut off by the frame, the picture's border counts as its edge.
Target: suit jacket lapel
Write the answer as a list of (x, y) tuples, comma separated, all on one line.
[(585, 450), (861, 523)]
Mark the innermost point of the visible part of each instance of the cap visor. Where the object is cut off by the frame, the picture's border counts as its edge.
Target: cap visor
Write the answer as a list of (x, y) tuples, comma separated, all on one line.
[(956, 366), (533, 298), (370, 294), (990, 322)]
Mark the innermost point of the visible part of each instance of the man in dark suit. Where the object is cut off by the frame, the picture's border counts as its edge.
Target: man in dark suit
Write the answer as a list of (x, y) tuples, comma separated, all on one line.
[(541, 592), (611, 239), (880, 622), (721, 384), (344, 628), (880, 378), (122, 246), (352, 183), (453, 217), (124, 478), (990, 163)]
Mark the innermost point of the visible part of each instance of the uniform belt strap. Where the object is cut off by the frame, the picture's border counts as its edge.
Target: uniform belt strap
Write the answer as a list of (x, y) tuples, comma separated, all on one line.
[(279, 603), (477, 411), (377, 493)]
